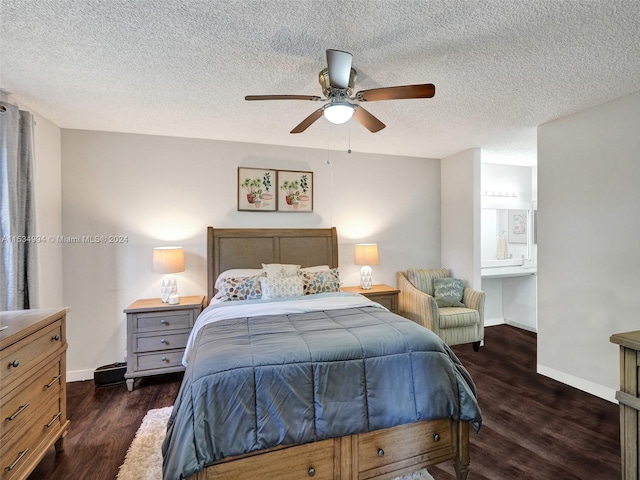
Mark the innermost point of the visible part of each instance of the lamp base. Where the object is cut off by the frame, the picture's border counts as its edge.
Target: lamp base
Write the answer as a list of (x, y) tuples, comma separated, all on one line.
[(168, 287), (366, 277)]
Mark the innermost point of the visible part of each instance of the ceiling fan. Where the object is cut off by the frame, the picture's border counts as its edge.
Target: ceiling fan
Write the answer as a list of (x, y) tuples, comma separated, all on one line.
[(337, 81)]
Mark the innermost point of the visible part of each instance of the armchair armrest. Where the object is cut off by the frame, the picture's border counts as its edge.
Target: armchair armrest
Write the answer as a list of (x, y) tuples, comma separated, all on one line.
[(416, 305), (474, 299)]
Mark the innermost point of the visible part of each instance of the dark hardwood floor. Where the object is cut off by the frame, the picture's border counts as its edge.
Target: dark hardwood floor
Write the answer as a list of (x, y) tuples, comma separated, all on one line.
[(534, 427)]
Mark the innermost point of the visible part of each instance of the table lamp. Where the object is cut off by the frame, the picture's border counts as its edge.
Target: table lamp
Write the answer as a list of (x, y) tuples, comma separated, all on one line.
[(168, 260), (366, 255)]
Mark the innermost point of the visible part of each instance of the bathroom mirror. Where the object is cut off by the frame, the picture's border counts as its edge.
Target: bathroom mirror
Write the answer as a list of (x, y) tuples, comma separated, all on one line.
[(505, 236)]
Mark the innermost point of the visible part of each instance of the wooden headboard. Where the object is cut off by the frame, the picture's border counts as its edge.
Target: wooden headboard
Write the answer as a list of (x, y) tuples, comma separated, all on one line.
[(251, 247)]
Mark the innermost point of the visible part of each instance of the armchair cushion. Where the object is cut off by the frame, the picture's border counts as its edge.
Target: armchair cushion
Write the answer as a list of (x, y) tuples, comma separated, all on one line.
[(448, 292), (422, 279)]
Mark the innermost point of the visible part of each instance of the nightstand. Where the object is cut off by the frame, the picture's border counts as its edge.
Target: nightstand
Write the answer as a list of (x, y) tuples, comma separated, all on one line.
[(383, 294), (157, 335)]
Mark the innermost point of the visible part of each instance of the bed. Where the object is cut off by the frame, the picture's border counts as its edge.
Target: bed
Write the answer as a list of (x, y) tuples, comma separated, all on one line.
[(328, 385)]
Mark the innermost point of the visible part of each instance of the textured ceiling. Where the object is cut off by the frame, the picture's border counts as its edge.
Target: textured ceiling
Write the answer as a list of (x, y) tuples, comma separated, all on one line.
[(183, 67)]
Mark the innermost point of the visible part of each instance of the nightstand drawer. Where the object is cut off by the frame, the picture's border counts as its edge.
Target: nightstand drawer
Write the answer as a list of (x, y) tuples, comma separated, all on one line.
[(154, 343), (159, 321), (163, 360)]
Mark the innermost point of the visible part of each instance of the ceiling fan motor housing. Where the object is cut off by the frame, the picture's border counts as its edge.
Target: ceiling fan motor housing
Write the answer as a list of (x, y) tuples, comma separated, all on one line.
[(328, 91)]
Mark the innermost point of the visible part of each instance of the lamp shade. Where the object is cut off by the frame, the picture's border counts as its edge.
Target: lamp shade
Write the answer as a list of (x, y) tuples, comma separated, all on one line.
[(366, 254), (168, 260)]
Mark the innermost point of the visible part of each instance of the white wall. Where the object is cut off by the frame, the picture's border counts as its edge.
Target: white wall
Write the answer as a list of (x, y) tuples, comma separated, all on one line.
[(588, 229), (161, 190), (48, 203), (460, 183)]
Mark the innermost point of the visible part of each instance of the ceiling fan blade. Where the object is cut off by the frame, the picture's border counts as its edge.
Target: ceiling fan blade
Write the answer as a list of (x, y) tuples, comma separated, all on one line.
[(282, 97), (425, 90), (339, 66), (367, 120), (306, 123)]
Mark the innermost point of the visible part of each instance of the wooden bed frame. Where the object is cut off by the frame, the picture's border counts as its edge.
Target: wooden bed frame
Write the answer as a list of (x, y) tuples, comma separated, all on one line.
[(381, 454)]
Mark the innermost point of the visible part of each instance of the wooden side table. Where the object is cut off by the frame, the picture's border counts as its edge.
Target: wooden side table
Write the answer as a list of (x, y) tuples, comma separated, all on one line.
[(383, 294), (157, 335), (629, 398)]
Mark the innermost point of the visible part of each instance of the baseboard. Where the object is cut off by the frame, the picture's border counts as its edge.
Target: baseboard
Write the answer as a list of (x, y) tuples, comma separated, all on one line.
[(521, 326), (492, 322), (595, 389), (79, 375)]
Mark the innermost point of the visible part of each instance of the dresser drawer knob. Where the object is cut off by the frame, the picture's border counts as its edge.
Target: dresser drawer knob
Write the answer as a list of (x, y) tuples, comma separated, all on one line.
[(436, 437), (14, 364), (20, 456), (162, 340), (380, 452), (19, 411), (56, 338), (312, 471), (163, 322), (164, 359)]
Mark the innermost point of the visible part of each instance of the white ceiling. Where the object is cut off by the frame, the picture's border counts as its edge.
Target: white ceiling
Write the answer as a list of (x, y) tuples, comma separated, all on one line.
[(183, 67)]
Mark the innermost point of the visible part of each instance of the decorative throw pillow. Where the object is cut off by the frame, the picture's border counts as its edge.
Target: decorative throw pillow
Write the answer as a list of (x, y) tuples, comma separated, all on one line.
[(281, 287), (448, 292), (240, 288), (321, 282), (279, 270)]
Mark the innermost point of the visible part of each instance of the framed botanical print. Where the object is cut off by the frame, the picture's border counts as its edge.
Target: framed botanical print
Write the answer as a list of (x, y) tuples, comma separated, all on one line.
[(295, 191), (257, 190)]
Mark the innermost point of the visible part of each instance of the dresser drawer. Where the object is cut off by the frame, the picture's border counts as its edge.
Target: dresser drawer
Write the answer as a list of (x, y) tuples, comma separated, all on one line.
[(19, 406), (18, 450), (153, 343), (165, 360), (385, 447), (293, 463), (160, 321), (24, 354)]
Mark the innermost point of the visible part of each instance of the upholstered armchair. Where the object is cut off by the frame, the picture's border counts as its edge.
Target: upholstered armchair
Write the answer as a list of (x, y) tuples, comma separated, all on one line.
[(455, 325)]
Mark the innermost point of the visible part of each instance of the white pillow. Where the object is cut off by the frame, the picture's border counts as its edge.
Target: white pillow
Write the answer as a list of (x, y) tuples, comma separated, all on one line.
[(281, 287), (279, 270), (235, 273), (318, 268)]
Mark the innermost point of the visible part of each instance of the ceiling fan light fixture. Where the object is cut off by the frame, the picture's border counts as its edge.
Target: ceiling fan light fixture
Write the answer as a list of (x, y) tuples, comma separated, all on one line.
[(339, 112)]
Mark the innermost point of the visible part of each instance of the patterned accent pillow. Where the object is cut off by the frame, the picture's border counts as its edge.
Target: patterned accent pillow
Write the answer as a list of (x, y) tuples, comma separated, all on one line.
[(240, 288), (279, 270), (448, 292), (321, 282), (282, 287)]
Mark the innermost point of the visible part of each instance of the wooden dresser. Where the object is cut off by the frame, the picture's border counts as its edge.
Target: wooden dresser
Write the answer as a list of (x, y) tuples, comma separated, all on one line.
[(629, 398), (33, 388), (157, 335)]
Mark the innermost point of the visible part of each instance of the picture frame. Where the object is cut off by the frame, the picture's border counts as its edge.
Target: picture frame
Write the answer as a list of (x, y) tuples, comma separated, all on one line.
[(257, 189), (518, 226), (295, 191)]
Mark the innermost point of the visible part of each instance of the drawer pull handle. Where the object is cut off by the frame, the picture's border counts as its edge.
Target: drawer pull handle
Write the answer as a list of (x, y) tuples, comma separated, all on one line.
[(162, 340), (48, 385), (14, 364), (56, 338), (55, 417), (436, 437), (163, 322), (312, 471), (380, 452), (20, 410), (13, 465), (164, 359)]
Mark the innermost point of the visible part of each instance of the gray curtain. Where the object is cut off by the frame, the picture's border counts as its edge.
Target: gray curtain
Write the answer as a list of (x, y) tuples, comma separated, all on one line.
[(17, 222)]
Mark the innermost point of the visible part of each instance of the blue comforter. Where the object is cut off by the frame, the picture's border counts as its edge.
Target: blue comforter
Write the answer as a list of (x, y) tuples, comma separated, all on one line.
[(257, 382)]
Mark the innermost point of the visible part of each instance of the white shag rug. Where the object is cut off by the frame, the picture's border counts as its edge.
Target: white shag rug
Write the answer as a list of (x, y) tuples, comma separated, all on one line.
[(144, 457)]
